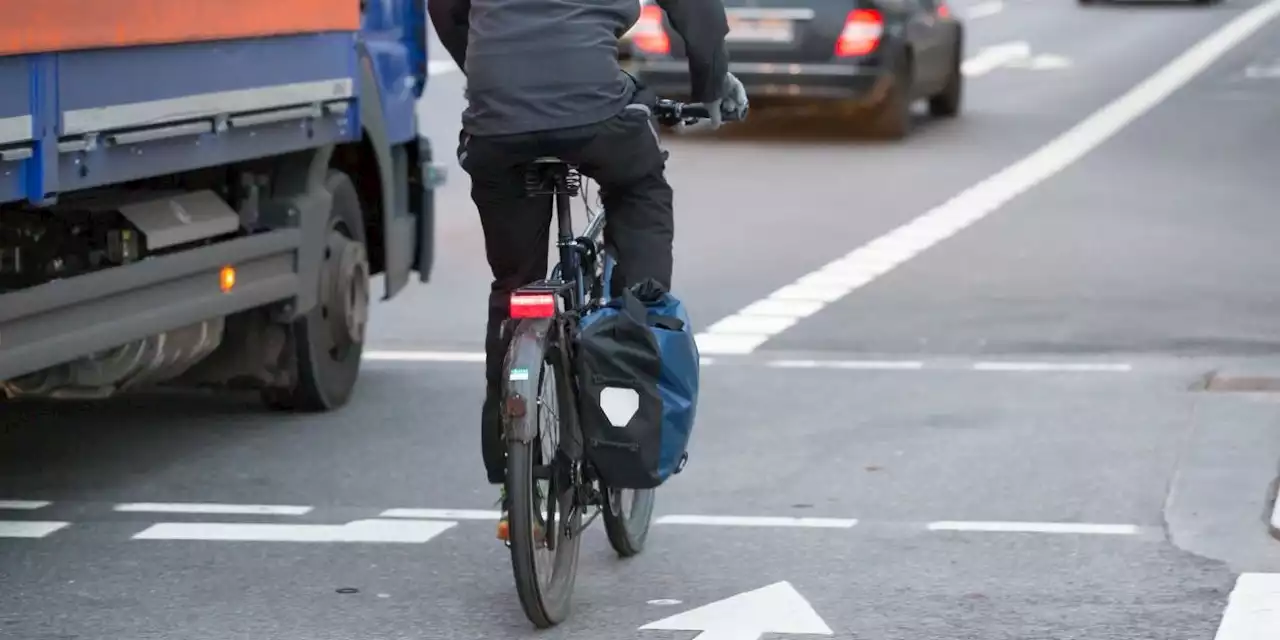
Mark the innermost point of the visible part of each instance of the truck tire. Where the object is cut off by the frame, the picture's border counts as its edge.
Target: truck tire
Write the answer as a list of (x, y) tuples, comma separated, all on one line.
[(328, 342)]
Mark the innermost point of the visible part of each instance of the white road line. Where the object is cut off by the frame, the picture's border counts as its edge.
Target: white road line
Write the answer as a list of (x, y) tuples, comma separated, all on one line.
[(1253, 609), (24, 504), (391, 531), (983, 10), (758, 521), (438, 67), (1037, 527), (425, 356), (1067, 367), (29, 528), (442, 514), (213, 508), (994, 57), (438, 356), (860, 365), (863, 265)]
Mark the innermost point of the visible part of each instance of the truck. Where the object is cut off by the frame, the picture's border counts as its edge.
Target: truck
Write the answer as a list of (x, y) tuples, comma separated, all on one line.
[(198, 193)]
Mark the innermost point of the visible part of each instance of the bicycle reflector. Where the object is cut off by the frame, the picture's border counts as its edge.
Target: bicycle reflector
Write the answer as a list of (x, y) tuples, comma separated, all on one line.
[(648, 35), (861, 34), (533, 305)]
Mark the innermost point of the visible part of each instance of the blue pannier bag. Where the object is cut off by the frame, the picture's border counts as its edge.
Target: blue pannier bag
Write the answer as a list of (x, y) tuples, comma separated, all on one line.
[(637, 380)]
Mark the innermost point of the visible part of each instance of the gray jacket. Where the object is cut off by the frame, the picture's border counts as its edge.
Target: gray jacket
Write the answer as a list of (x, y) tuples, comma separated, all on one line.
[(534, 65)]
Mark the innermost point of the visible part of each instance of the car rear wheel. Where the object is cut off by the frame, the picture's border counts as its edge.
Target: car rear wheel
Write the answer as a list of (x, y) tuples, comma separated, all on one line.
[(947, 103), (891, 119)]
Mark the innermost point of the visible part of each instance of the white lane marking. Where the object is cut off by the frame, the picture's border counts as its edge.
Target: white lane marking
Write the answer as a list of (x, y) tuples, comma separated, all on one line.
[(29, 528), (1253, 609), (846, 274), (758, 521), (1067, 367), (994, 57), (442, 514), (393, 531), (213, 508), (392, 355), (425, 356), (983, 10), (859, 365), (438, 67), (1037, 527), (24, 504)]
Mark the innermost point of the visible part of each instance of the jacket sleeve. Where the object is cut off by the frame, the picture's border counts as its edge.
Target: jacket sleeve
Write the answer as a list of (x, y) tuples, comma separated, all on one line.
[(703, 26), (452, 24)]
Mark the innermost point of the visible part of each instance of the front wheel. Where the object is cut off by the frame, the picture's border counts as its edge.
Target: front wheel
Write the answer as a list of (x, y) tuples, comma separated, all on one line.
[(627, 515), (544, 517)]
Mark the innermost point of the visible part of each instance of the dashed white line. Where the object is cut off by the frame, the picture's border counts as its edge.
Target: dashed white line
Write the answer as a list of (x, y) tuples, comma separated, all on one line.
[(742, 333), (370, 531), (994, 57), (29, 528), (443, 514), (213, 508), (1037, 527), (425, 356), (758, 521), (984, 10), (25, 505), (1253, 609), (437, 67), (1066, 367), (859, 365)]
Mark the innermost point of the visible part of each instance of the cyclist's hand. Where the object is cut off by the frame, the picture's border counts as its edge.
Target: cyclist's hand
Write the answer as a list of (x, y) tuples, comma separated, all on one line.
[(733, 104)]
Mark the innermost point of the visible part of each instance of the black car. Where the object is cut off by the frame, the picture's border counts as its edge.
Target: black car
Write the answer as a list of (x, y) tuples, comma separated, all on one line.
[(878, 56)]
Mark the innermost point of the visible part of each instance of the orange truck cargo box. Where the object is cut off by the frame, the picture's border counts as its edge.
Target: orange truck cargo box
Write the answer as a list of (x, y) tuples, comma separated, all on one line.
[(36, 26)]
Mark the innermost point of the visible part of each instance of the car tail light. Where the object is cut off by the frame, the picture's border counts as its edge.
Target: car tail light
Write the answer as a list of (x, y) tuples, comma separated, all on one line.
[(533, 305), (944, 11), (861, 35), (648, 34)]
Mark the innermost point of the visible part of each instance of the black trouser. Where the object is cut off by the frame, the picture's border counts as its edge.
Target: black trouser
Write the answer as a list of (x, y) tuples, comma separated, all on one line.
[(622, 155)]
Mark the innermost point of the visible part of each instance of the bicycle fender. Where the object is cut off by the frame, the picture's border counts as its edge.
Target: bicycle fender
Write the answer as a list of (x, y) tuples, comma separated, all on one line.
[(520, 379)]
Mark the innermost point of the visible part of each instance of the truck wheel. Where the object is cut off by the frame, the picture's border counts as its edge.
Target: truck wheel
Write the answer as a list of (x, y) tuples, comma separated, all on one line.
[(328, 342)]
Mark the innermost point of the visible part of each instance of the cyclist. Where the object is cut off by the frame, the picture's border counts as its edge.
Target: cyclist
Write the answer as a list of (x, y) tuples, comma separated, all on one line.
[(543, 79)]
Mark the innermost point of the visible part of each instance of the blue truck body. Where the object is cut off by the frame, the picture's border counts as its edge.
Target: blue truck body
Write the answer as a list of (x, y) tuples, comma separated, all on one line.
[(217, 117)]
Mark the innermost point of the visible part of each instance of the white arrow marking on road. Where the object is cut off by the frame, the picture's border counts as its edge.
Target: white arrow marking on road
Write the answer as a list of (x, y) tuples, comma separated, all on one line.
[(1041, 62), (777, 608), (994, 57), (1262, 71)]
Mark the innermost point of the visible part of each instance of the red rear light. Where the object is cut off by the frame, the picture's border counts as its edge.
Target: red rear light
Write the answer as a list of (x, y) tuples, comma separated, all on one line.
[(861, 35), (536, 305), (648, 34), (943, 10)]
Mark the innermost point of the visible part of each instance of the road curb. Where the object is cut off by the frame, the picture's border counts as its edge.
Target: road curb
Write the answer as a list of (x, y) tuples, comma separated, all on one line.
[(1275, 514)]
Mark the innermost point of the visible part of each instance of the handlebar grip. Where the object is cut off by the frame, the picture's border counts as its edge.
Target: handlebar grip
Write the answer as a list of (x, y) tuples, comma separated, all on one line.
[(695, 110)]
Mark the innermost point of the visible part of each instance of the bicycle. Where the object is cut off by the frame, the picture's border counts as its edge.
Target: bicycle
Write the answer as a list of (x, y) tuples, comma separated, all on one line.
[(545, 317)]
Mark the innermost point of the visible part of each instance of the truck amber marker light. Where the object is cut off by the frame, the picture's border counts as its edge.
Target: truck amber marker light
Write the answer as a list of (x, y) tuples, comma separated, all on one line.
[(541, 305), (227, 278)]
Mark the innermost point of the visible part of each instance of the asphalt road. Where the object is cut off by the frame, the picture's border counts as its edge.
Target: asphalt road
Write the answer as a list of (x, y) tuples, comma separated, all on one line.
[(1002, 434)]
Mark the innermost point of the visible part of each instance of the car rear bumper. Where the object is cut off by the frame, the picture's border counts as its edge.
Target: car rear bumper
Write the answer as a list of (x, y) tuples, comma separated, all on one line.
[(772, 81)]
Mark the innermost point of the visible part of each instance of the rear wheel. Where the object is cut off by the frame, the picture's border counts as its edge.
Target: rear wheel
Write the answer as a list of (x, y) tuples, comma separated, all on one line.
[(543, 518), (891, 119), (947, 103), (327, 343), (627, 514)]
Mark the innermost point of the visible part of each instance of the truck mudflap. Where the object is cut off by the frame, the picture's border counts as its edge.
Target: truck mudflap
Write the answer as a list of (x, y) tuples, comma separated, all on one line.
[(432, 175)]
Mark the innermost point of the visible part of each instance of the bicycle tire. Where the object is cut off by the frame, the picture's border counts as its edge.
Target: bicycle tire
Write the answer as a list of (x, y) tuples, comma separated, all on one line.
[(627, 529), (545, 606)]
